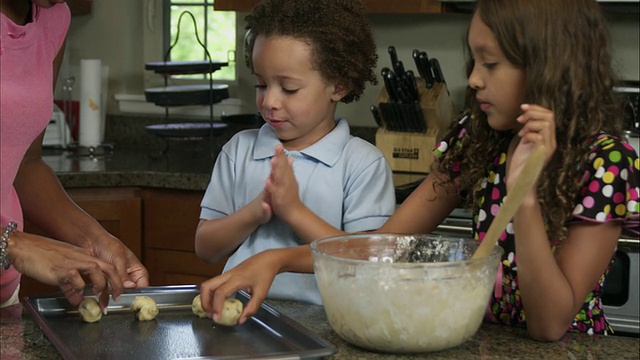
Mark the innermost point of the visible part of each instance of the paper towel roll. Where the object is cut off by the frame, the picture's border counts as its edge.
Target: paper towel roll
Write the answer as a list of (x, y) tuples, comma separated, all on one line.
[(90, 132)]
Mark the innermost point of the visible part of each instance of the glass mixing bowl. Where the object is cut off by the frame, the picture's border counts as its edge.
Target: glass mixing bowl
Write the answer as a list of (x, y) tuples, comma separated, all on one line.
[(403, 293)]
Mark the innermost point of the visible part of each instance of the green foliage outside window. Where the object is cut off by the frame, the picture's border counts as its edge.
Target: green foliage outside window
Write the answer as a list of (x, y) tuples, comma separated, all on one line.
[(219, 35)]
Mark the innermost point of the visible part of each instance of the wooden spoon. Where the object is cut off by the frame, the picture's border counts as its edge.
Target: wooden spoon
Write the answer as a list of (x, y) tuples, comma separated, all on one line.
[(528, 176)]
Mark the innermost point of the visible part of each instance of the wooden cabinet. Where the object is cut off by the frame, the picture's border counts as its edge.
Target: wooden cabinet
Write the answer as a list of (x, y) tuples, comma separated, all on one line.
[(170, 221), (371, 6), (118, 210), (79, 7), (158, 225)]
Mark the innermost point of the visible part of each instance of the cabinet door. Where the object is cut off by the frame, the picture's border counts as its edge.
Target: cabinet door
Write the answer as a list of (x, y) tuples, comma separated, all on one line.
[(79, 7), (172, 267), (371, 6), (171, 218), (118, 210)]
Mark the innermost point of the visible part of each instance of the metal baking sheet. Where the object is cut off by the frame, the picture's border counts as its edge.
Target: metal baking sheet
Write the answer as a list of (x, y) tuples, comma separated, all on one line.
[(176, 333)]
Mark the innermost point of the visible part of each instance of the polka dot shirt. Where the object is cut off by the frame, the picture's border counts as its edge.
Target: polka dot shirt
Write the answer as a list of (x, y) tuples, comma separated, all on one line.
[(610, 193)]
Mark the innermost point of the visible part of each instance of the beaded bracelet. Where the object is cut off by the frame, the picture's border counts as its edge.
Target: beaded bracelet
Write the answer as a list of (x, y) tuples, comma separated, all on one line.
[(4, 259)]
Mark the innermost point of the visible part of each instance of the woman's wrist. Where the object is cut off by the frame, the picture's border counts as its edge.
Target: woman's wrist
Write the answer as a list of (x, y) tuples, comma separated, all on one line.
[(5, 242)]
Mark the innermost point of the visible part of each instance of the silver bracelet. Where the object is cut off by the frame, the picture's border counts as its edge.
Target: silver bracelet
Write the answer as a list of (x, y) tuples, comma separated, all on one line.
[(4, 259)]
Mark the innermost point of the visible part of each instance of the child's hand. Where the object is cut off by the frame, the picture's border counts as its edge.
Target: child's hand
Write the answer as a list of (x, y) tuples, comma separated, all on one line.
[(282, 185), (262, 206), (253, 275), (538, 129)]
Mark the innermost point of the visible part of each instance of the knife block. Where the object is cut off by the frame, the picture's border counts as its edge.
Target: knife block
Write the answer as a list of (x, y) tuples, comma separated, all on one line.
[(412, 151)]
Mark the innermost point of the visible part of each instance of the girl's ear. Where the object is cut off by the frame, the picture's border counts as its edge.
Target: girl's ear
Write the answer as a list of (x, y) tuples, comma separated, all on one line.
[(339, 91)]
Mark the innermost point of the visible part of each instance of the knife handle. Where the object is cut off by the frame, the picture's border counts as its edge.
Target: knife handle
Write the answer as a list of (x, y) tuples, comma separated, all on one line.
[(416, 59), (437, 71), (388, 85), (399, 69), (424, 60), (413, 86), (393, 55), (376, 115)]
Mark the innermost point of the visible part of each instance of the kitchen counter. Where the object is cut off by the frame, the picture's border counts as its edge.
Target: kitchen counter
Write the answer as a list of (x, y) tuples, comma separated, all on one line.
[(184, 166), (21, 338), (142, 160)]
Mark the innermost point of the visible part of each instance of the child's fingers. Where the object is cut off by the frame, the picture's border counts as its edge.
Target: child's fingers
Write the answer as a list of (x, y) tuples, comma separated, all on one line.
[(538, 126)]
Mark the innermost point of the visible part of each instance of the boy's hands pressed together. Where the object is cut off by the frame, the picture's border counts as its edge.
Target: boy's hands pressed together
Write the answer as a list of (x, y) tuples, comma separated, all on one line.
[(282, 186), (262, 205)]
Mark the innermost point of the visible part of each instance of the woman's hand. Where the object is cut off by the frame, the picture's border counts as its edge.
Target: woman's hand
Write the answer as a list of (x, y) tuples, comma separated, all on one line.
[(254, 275), (282, 185), (108, 248), (70, 267)]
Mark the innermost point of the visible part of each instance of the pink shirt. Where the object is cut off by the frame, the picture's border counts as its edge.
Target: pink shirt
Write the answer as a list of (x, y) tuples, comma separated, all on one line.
[(26, 102)]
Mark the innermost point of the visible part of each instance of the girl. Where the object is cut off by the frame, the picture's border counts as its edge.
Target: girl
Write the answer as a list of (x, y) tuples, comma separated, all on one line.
[(306, 56), (540, 75)]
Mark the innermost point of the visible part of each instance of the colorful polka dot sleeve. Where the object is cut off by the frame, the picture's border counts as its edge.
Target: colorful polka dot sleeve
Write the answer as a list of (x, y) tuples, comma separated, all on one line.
[(611, 181)]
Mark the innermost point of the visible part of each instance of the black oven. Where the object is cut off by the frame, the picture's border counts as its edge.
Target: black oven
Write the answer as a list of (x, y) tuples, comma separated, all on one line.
[(620, 294)]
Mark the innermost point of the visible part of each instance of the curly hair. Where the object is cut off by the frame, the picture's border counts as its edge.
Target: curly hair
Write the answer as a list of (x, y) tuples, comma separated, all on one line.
[(564, 49), (343, 47)]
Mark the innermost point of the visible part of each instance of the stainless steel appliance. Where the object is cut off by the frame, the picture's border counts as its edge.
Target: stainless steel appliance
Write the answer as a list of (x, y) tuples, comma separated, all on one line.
[(630, 91), (57, 133), (621, 299)]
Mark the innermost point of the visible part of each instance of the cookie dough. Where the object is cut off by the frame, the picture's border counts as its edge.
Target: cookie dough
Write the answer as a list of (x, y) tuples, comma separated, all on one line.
[(196, 307), (89, 310), (144, 308), (231, 311)]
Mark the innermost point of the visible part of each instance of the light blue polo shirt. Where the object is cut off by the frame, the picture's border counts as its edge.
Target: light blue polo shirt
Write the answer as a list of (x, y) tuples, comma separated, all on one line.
[(343, 179)]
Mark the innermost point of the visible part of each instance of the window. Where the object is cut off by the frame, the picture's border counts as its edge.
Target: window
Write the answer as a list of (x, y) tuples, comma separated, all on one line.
[(215, 29)]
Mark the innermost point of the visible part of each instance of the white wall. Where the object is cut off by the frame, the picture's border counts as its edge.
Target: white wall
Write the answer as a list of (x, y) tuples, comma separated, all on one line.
[(113, 33)]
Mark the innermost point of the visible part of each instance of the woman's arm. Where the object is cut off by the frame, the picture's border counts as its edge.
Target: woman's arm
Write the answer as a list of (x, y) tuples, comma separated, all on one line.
[(46, 204), (67, 266)]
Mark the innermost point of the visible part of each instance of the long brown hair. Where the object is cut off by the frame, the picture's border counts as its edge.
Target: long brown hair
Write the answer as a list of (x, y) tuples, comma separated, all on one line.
[(564, 48)]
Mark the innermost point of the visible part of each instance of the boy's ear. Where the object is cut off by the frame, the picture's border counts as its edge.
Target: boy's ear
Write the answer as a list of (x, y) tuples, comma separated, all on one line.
[(339, 91)]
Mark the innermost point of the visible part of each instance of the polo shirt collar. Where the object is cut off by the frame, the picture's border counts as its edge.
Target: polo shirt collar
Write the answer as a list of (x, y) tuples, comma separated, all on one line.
[(327, 150)]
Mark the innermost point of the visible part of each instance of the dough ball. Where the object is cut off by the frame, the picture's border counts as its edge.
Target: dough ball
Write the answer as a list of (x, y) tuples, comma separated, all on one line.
[(196, 307), (231, 311), (144, 308), (89, 310)]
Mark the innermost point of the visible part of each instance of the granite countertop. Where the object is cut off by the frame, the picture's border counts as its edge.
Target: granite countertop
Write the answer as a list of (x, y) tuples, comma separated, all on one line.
[(138, 159), (183, 166), (21, 338)]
